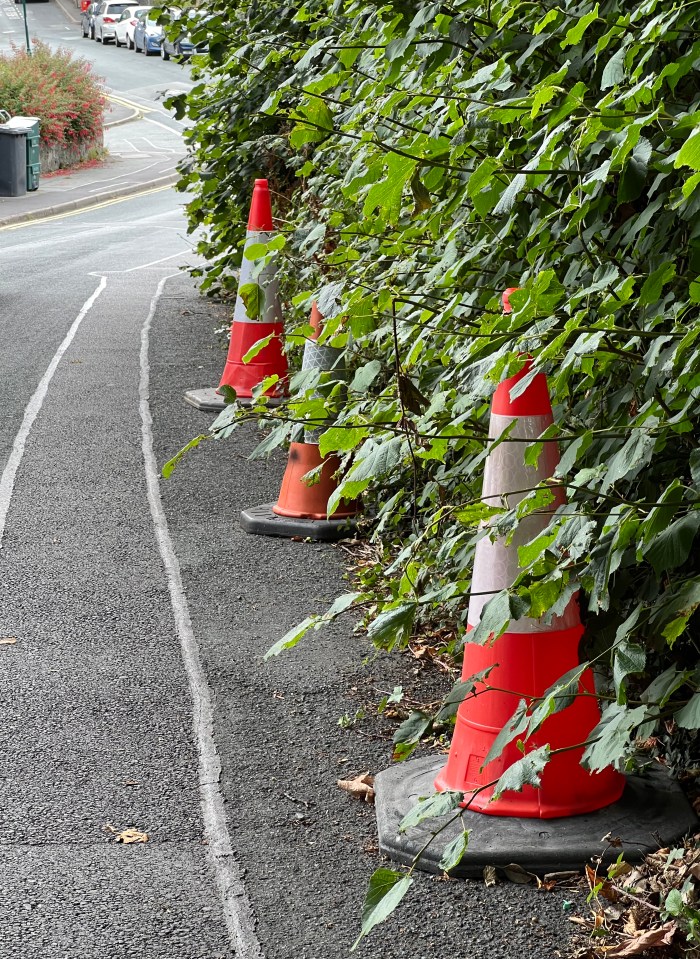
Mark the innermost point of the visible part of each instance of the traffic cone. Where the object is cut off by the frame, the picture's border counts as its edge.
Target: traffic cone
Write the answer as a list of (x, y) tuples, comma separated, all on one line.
[(302, 508), (560, 824), (531, 655), (246, 332)]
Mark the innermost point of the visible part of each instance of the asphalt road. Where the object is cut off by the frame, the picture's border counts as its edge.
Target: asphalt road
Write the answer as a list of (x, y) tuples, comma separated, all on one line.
[(134, 694)]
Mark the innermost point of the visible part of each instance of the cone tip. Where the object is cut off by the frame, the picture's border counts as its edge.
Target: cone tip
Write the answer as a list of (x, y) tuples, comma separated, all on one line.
[(315, 321), (505, 298), (534, 401), (260, 218)]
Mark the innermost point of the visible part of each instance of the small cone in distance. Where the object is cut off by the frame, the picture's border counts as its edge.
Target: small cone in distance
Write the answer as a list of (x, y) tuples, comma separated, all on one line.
[(531, 655), (245, 332), (271, 360), (302, 507)]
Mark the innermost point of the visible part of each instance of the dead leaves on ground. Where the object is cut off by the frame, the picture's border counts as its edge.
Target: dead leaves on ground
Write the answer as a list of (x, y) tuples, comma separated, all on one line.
[(361, 787), (127, 836), (629, 905)]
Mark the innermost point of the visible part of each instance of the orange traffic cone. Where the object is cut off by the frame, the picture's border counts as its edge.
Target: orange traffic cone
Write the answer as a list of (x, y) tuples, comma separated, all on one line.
[(531, 655), (302, 507), (560, 824), (271, 360)]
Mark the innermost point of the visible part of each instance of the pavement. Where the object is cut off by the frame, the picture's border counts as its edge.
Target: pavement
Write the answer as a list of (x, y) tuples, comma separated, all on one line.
[(139, 158)]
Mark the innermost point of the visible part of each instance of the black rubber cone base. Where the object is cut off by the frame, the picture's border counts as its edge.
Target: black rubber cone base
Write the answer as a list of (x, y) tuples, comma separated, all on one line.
[(263, 522), (209, 401), (652, 812)]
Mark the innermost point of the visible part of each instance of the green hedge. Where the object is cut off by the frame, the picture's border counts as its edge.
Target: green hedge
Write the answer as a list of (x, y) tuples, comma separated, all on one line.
[(426, 156)]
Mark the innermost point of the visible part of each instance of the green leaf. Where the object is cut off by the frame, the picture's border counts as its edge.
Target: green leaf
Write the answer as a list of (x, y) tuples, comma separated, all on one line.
[(392, 626), (655, 282), (614, 72), (663, 686), (365, 376), (454, 851), (476, 513), (689, 153), (431, 807), (410, 733), (253, 299), (628, 658), (611, 740), (495, 616), (458, 693), (257, 347), (523, 772), (672, 546), (689, 716), (337, 439), (575, 34), (292, 637), (386, 889), (516, 726), (168, 467)]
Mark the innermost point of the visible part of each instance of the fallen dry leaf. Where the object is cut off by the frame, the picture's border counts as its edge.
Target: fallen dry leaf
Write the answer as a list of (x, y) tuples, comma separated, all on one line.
[(8, 641), (647, 940), (128, 836), (515, 872), (490, 877), (361, 786)]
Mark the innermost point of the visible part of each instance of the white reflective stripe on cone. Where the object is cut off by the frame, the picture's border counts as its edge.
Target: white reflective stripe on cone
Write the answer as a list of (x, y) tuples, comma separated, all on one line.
[(507, 481), (266, 280)]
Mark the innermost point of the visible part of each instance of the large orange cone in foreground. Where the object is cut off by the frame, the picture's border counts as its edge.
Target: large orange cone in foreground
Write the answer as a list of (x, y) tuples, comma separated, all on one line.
[(244, 376), (531, 655), (302, 506), (561, 824)]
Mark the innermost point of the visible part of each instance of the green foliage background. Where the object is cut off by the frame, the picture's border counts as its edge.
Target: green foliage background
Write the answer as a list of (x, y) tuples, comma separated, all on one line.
[(425, 156)]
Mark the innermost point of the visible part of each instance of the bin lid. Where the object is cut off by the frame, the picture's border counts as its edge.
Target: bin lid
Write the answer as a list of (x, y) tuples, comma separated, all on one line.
[(13, 131), (17, 123)]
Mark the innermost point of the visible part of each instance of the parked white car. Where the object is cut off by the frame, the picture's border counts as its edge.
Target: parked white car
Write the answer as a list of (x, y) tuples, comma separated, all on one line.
[(106, 18), (124, 30)]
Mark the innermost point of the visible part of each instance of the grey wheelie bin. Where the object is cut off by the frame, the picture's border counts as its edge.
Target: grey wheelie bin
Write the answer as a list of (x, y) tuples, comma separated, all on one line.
[(13, 159), (30, 125)]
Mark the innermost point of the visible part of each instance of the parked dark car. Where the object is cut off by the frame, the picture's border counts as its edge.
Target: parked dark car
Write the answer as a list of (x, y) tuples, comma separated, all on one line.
[(182, 46), (87, 20)]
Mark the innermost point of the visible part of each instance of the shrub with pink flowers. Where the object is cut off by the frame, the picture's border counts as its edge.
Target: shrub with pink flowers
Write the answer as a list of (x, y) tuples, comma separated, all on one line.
[(63, 92)]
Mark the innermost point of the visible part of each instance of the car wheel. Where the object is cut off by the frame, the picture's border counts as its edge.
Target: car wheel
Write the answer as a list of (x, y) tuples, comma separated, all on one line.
[(164, 55), (117, 41), (129, 43)]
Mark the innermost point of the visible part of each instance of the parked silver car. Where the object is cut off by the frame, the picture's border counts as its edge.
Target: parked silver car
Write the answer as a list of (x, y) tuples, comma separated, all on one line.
[(106, 18)]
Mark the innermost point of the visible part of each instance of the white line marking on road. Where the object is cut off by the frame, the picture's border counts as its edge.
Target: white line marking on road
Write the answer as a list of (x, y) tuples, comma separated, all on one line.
[(237, 911), (145, 266), (7, 480)]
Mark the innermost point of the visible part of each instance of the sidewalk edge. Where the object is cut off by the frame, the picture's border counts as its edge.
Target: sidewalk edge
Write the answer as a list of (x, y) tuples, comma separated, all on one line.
[(86, 202)]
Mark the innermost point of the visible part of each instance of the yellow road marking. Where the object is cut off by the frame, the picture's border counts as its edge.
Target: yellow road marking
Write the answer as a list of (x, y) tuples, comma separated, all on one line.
[(84, 209), (129, 103)]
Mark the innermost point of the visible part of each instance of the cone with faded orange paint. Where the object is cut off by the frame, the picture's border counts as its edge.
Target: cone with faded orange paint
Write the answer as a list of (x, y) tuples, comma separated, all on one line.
[(244, 372), (560, 823), (301, 509)]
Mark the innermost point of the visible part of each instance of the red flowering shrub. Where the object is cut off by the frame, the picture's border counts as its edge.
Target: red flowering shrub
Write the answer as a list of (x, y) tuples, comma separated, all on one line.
[(62, 92)]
